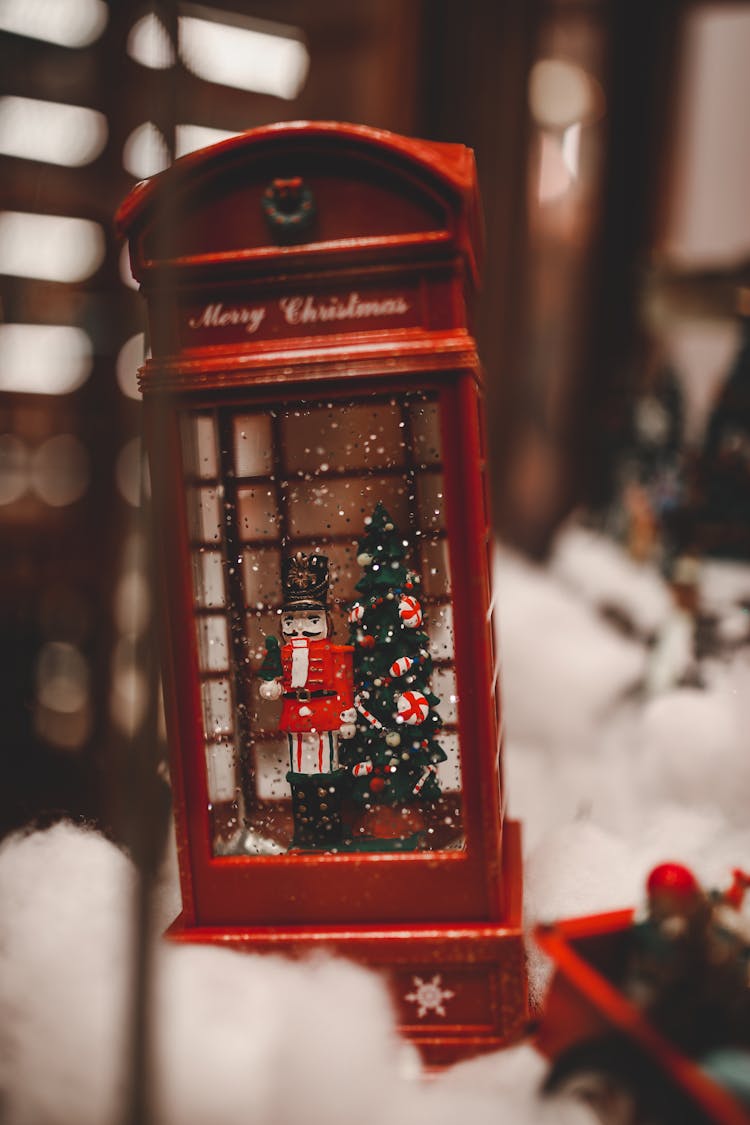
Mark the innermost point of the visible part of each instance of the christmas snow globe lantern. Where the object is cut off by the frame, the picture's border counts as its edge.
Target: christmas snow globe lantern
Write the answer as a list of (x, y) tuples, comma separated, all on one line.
[(313, 413)]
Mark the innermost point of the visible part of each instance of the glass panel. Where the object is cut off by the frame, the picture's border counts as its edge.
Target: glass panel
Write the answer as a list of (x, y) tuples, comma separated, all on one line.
[(440, 630), (222, 771), (217, 707), (261, 568), (425, 425), (320, 730), (340, 439), (272, 765), (449, 771), (436, 571), (208, 579), (200, 446), (431, 501), (204, 514), (212, 643), (253, 454), (339, 507), (257, 513), (444, 686)]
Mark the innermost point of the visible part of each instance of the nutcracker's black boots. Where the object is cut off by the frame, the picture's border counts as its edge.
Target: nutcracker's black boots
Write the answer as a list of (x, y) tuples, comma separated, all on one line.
[(316, 807)]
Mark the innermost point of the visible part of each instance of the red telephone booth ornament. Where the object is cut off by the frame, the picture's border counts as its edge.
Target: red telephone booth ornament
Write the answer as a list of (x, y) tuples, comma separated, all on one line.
[(313, 414)]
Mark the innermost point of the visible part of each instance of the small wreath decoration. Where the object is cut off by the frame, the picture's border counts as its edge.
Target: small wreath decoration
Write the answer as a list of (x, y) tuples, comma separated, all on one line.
[(288, 206)]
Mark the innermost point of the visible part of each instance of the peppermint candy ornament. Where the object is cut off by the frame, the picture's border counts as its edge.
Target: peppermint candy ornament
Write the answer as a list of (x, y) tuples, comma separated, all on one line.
[(410, 612), (401, 666), (413, 708), (362, 769), (356, 613)]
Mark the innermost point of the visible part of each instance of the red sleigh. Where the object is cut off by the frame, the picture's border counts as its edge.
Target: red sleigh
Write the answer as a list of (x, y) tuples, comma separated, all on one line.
[(602, 1044)]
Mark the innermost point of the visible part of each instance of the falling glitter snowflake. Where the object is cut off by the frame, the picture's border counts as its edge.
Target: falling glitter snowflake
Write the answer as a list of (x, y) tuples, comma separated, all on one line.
[(429, 995)]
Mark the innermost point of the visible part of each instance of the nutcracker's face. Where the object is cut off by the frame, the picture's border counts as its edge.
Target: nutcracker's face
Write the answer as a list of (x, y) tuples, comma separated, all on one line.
[(310, 623)]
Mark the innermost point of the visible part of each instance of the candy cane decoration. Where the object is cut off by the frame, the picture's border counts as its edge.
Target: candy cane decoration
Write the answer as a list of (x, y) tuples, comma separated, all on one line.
[(367, 715), (421, 783), (356, 613)]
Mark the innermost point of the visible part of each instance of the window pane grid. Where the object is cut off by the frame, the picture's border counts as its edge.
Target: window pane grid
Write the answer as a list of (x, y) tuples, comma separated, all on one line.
[(208, 549), (312, 497)]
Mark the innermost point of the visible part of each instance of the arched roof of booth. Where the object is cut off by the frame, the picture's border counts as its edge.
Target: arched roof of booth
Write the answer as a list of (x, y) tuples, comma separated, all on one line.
[(446, 171)]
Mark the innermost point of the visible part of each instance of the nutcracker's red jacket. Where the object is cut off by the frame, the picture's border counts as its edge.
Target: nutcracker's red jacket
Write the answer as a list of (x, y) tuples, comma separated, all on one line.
[(328, 685)]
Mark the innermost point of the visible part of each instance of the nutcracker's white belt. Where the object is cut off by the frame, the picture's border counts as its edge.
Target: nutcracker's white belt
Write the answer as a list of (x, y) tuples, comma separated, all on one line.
[(302, 695)]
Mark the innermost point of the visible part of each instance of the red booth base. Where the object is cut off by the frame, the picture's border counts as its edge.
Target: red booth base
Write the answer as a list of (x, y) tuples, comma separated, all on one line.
[(459, 988)]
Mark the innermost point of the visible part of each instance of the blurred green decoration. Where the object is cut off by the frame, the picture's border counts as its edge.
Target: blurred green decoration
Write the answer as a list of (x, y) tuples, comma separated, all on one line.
[(724, 495), (394, 753), (652, 474), (270, 669)]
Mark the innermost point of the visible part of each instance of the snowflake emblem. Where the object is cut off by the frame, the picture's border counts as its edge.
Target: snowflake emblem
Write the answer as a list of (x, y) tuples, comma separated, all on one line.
[(429, 995)]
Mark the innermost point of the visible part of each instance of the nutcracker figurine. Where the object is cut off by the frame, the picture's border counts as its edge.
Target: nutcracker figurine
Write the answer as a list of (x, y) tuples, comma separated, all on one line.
[(314, 679)]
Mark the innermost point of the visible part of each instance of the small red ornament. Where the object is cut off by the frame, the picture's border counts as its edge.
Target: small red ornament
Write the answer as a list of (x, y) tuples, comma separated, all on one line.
[(673, 892), (377, 785), (367, 641), (674, 879)]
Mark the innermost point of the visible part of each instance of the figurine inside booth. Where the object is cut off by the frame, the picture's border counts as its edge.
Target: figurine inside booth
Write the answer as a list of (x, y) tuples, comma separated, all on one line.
[(328, 738), (314, 678)]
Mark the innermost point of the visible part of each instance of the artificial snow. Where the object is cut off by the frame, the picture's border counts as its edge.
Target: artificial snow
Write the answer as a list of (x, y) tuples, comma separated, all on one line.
[(610, 773), (602, 575), (563, 666), (236, 1038)]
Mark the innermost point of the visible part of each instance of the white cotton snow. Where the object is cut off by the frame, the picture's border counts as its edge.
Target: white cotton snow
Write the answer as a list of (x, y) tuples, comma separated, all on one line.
[(601, 574), (691, 742), (64, 953), (236, 1037), (562, 666), (724, 584)]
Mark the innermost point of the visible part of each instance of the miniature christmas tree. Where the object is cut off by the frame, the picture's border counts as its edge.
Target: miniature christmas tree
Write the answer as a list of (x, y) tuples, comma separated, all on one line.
[(393, 754)]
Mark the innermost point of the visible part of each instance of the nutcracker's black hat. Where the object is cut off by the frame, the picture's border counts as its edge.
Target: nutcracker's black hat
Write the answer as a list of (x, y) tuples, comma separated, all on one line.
[(305, 582)]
